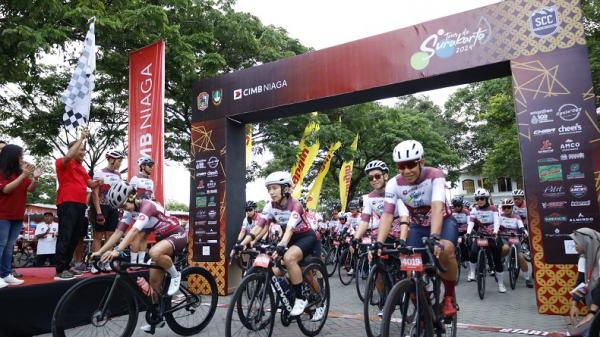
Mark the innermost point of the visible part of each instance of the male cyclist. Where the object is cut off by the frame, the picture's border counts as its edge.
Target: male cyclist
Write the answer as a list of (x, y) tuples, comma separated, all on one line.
[(354, 215), (463, 217), (520, 207), (423, 190), (144, 187), (485, 218), (107, 217), (298, 237), (511, 223), (248, 224)]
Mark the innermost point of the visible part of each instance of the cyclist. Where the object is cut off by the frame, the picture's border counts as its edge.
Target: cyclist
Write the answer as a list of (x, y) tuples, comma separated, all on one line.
[(520, 207), (144, 187), (462, 216), (248, 223), (485, 217), (298, 237), (145, 214), (511, 223), (354, 215), (423, 190), (106, 217)]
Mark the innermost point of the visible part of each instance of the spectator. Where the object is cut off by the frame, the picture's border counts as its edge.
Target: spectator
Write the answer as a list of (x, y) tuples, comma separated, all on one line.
[(73, 181), (106, 217), (46, 233), (587, 244), (15, 182)]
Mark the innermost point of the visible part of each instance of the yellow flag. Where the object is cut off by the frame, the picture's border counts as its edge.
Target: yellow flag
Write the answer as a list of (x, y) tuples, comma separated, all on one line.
[(248, 142), (315, 191), (346, 176), (304, 159)]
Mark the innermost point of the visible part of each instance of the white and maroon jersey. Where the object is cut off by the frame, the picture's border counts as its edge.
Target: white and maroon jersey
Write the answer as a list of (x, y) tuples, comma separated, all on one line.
[(151, 215), (144, 186), (373, 204), (510, 224), (418, 197), (248, 224), (486, 219), (311, 217), (292, 215), (352, 221), (521, 212), (333, 225), (109, 178), (463, 218)]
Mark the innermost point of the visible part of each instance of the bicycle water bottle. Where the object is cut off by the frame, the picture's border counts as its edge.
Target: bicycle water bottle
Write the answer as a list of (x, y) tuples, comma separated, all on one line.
[(145, 286), (284, 285)]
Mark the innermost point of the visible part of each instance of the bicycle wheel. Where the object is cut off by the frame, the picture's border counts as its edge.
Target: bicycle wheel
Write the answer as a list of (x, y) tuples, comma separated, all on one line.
[(513, 266), (316, 290), (79, 311), (374, 302), (481, 272), (400, 316), (345, 267), (254, 316), (194, 305), (331, 261), (362, 275)]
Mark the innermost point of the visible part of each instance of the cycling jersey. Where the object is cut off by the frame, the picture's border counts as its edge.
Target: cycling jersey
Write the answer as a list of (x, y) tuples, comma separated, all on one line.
[(144, 186), (109, 178), (511, 224), (486, 220), (463, 218), (352, 221), (373, 209), (418, 197), (248, 225), (151, 215), (521, 211), (292, 215)]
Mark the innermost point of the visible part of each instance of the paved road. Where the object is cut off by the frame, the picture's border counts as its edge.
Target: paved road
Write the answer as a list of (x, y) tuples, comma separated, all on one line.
[(514, 309)]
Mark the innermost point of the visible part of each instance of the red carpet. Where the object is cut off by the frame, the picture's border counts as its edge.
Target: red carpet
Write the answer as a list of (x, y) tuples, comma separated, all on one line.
[(40, 275)]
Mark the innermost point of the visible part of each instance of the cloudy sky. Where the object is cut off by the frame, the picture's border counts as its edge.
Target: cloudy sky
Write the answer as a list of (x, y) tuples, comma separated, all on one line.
[(326, 23)]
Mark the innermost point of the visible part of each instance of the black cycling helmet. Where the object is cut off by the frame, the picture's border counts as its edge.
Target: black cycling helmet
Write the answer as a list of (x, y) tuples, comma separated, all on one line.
[(250, 205), (353, 204), (342, 216), (457, 201)]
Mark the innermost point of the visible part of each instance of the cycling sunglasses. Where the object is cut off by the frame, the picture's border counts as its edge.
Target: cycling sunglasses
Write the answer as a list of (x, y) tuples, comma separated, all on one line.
[(249, 209), (507, 207), (407, 165), (479, 198), (375, 176)]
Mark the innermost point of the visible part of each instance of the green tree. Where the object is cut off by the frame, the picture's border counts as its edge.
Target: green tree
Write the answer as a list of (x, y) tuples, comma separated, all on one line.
[(174, 205), (203, 38)]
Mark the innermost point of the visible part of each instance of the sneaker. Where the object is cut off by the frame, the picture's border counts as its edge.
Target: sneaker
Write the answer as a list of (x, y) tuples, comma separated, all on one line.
[(148, 328), (529, 283), (76, 272), (94, 270), (174, 284), (448, 308), (380, 314), (299, 307), (3, 283), (351, 271), (64, 276), (13, 281), (16, 273), (319, 313), (501, 288)]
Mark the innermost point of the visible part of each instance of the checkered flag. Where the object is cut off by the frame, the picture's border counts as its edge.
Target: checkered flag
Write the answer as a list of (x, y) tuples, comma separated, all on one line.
[(77, 97)]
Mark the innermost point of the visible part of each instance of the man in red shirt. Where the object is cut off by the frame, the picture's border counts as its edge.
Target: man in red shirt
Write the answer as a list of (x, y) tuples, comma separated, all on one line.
[(73, 181)]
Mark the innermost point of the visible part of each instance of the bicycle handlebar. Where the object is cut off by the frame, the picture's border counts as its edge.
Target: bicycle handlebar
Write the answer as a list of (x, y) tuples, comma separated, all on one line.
[(428, 249)]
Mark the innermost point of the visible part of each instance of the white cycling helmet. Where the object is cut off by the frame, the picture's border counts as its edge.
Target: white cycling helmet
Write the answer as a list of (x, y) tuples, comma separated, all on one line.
[(507, 202), (279, 177), (118, 194), (481, 192), (376, 165), (115, 154), (518, 193), (408, 150)]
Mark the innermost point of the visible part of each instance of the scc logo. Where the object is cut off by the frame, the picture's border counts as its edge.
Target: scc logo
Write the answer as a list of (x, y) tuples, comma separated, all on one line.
[(142, 217)]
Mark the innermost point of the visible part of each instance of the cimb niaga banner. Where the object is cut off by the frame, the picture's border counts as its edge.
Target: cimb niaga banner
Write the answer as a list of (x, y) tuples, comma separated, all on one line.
[(146, 111)]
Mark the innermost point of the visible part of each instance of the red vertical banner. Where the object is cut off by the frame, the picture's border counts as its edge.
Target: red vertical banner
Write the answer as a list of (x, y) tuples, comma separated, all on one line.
[(146, 111)]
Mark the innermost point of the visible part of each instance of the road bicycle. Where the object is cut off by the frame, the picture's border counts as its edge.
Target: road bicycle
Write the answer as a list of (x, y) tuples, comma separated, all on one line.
[(413, 306), (261, 294), (110, 305)]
